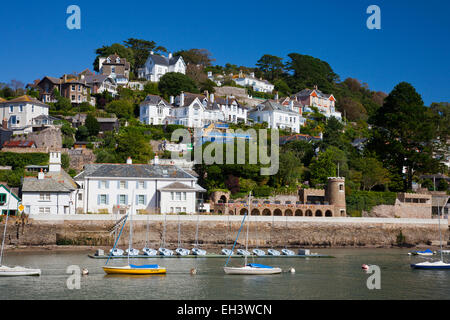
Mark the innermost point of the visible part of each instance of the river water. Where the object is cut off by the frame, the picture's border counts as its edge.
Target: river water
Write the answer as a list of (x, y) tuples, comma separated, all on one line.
[(315, 278)]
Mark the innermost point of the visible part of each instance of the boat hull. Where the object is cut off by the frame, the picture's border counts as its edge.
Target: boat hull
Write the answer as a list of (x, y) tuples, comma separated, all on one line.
[(18, 272), (430, 265), (135, 271), (251, 271)]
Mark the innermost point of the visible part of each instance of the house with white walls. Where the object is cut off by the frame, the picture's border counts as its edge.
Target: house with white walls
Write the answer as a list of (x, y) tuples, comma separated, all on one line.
[(194, 111), (9, 200), (53, 192), (148, 188), (232, 110), (259, 85), (325, 103), (158, 65), (155, 110), (20, 112), (276, 116)]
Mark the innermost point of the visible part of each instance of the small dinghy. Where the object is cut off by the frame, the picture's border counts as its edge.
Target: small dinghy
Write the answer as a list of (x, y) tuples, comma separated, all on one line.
[(431, 265), (116, 252), (136, 270), (227, 252), (259, 252), (132, 252), (165, 252), (149, 252), (427, 252), (273, 252), (288, 252), (243, 252), (18, 271), (198, 252), (252, 269), (182, 252)]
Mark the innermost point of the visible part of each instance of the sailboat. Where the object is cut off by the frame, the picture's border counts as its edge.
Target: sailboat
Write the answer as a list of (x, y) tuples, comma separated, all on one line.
[(130, 268), (249, 268), (272, 251), (16, 271), (286, 251), (163, 250), (179, 250), (226, 251), (146, 250), (434, 264), (257, 251), (196, 250)]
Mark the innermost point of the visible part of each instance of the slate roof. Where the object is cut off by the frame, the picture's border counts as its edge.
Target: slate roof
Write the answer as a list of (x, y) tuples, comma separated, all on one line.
[(177, 186), (165, 61), (154, 100), (270, 105), (133, 171), (43, 185), (96, 78)]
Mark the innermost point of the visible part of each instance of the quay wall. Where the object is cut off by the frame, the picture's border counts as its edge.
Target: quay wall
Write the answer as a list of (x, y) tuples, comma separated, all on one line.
[(218, 231)]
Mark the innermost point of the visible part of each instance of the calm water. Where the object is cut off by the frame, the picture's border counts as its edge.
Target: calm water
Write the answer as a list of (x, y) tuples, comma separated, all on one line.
[(337, 278)]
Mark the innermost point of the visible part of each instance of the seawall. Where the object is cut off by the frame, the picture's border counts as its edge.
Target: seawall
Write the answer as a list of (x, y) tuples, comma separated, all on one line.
[(217, 231)]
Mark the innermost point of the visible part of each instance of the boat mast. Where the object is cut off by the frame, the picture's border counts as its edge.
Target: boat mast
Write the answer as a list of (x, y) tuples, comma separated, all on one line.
[(248, 224), (4, 230), (146, 236), (196, 231), (439, 220), (179, 242), (131, 228)]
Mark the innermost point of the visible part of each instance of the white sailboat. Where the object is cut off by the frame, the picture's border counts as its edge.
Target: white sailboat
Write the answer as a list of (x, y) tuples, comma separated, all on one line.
[(163, 250), (434, 264), (249, 268), (179, 250), (196, 251), (147, 250), (272, 251), (16, 271)]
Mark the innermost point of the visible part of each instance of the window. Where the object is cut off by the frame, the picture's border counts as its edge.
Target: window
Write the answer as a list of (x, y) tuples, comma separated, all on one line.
[(32, 107), (80, 196), (171, 209), (103, 185), (73, 97), (79, 88), (123, 185), (2, 198), (184, 196), (103, 199), (44, 197), (178, 210), (178, 196), (113, 70), (20, 108), (141, 185), (79, 98), (122, 199), (43, 210), (11, 109), (141, 199), (73, 87), (172, 196), (13, 120)]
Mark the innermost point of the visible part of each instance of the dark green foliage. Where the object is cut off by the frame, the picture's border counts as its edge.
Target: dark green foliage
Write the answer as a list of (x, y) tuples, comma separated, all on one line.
[(82, 133), (20, 160), (173, 83), (365, 200), (65, 161), (270, 66), (92, 125), (121, 108)]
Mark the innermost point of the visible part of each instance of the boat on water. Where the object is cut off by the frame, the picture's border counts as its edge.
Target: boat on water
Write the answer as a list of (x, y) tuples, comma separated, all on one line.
[(134, 269), (165, 252), (198, 252), (287, 252), (427, 252), (131, 269), (182, 252), (227, 252), (273, 252), (149, 252), (16, 271), (116, 252), (248, 268), (437, 265), (259, 252)]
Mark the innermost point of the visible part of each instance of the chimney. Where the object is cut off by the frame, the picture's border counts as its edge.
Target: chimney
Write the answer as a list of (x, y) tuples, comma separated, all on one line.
[(276, 97), (172, 99), (41, 175), (170, 55), (291, 104), (211, 97), (5, 123), (54, 164), (156, 160), (182, 99), (129, 160)]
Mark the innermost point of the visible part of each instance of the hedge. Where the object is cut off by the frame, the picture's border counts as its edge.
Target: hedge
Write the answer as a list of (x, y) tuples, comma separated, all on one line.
[(359, 201)]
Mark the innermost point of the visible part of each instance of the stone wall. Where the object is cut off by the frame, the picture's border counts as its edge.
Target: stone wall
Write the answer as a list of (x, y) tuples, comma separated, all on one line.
[(80, 157), (47, 138), (216, 233)]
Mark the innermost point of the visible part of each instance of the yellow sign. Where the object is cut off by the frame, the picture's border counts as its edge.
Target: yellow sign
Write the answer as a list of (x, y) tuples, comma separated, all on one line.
[(21, 207)]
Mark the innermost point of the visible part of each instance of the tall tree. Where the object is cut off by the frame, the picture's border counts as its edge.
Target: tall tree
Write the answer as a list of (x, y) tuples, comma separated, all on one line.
[(196, 56), (141, 50), (115, 48), (404, 132), (271, 66), (173, 83)]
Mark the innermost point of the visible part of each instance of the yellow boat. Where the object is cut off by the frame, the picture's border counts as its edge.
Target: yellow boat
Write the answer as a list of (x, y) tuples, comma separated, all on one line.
[(136, 270)]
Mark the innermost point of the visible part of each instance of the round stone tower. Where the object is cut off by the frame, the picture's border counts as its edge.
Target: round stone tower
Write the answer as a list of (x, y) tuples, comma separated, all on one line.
[(336, 195)]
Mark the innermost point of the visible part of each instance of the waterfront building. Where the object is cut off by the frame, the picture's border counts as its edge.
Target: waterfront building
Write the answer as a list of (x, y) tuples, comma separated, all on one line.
[(9, 199), (156, 188), (328, 202), (53, 192)]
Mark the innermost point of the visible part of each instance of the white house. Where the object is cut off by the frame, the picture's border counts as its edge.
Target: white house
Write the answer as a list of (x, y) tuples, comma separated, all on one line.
[(158, 65), (154, 110), (53, 192), (233, 111), (101, 83), (259, 85), (277, 116), (9, 201), (21, 111), (151, 188), (192, 110)]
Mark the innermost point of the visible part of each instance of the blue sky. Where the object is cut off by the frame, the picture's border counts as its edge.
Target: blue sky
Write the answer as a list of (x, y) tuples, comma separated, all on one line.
[(413, 44)]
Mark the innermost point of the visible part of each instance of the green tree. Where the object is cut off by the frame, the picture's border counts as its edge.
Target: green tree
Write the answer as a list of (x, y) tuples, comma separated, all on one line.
[(141, 50), (281, 87), (271, 66), (63, 104), (372, 172), (82, 133), (115, 48), (92, 125), (196, 56), (321, 168), (151, 88), (403, 134), (121, 108), (131, 143), (173, 83)]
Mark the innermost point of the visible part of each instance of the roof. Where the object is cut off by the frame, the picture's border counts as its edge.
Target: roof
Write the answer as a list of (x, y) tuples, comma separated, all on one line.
[(133, 171), (2, 100), (18, 144), (177, 186), (162, 60), (9, 189), (298, 137), (63, 178), (43, 185), (270, 105), (107, 119), (96, 78), (25, 98), (154, 100)]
